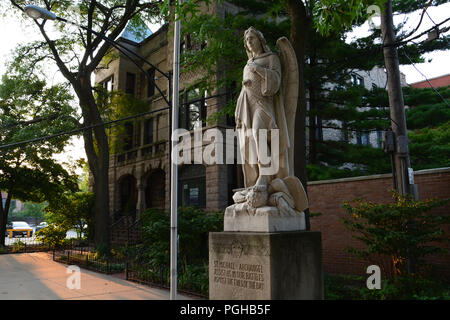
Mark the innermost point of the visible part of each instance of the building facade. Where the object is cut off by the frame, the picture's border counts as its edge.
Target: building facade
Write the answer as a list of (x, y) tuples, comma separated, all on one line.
[(375, 78), (139, 174)]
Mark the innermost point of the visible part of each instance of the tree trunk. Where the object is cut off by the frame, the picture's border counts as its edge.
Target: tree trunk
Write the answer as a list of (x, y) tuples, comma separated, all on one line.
[(4, 211), (97, 151), (300, 24)]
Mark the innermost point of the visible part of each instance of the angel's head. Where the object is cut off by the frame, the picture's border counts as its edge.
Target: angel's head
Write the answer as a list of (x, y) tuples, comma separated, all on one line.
[(254, 42)]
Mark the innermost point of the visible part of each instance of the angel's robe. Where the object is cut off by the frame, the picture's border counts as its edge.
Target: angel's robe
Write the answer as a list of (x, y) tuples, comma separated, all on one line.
[(260, 106)]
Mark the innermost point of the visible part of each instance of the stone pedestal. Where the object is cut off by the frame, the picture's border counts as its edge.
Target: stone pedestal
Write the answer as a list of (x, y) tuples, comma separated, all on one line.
[(266, 219), (265, 266)]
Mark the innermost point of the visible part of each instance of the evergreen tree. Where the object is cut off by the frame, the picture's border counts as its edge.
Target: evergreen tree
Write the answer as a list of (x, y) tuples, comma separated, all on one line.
[(334, 102)]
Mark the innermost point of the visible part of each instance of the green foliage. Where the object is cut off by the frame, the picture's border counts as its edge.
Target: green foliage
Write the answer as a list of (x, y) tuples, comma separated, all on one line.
[(429, 122), (4, 250), (405, 229), (409, 287), (194, 278), (18, 246), (331, 59), (78, 54), (30, 109), (73, 211), (193, 228), (430, 147), (153, 257), (334, 15), (83, 180), (342, 287), (319, 172), (52, 235), (31, 210), (413, 287)]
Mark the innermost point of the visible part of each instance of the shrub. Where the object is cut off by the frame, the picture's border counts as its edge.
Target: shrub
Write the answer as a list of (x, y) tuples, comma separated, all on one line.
[(194, 226), (52, 235), (152, 258), (405, 229), (408, 287), (18, 246), (4, 250)]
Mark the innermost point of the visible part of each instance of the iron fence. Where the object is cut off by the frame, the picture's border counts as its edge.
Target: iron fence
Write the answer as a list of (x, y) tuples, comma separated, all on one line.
[(86, 257), (32, 244), (192, 279)]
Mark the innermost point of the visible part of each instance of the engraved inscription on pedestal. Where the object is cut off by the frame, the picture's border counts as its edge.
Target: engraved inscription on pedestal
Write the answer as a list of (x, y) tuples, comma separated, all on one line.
[(256, 265), (239, 269)]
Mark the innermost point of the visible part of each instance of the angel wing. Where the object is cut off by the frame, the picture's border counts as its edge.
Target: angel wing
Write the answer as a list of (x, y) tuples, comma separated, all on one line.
[(289, 87)]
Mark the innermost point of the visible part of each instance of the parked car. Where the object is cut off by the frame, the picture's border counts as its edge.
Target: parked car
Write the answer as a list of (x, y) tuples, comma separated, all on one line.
[(40, 226), (20, 229)]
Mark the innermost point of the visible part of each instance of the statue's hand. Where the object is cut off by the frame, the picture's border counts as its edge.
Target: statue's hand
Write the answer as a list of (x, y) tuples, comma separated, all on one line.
[(254, 67), (247, 82)]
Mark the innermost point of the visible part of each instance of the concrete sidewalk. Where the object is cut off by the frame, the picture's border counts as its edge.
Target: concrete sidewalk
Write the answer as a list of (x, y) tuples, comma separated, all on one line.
[(36, 276)]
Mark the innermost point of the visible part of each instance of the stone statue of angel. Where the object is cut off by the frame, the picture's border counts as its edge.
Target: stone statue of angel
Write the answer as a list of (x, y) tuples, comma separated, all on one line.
[(268, 101)]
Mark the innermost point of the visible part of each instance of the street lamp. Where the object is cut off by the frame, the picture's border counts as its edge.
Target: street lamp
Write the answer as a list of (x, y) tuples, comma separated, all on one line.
[(36, 12)]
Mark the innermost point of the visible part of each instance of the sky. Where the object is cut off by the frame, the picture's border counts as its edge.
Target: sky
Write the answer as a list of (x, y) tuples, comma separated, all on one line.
[(437, 63)]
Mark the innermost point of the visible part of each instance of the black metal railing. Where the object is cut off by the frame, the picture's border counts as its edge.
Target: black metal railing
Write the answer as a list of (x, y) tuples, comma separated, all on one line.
[(32, 244), (85, 257), (189, 282), (126, 230)]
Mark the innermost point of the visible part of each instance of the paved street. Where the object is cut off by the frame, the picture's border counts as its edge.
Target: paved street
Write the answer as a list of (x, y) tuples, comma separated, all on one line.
[(35, 276)]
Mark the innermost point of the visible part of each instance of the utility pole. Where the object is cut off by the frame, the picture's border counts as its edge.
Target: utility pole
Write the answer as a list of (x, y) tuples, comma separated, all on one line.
[(402, 171)]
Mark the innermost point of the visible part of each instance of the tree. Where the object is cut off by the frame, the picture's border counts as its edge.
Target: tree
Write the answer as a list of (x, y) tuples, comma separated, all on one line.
[(30, 109), (428, 120), (385, 229), (31, 210), (77, 53), (73, 211)]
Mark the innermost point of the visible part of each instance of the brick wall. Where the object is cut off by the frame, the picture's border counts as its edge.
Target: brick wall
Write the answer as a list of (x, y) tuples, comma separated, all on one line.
[(327, 197)]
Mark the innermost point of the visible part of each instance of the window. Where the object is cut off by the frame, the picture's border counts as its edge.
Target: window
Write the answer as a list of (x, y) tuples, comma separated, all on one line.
[(379, 139), (128, 136), (130, 84), (192, 185), (108, 85), (148, 131), (151, 85), (192, 110), (191, 44), (357, 80), (362, 138)]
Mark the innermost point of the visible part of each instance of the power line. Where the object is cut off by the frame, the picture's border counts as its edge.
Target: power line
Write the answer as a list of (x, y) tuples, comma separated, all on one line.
[(421, 18), (72, 132), (435, 90)]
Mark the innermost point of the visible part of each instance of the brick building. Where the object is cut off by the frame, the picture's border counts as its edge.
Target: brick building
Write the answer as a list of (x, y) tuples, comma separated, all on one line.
[(139, 173), (437, 82), (375, 78)]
